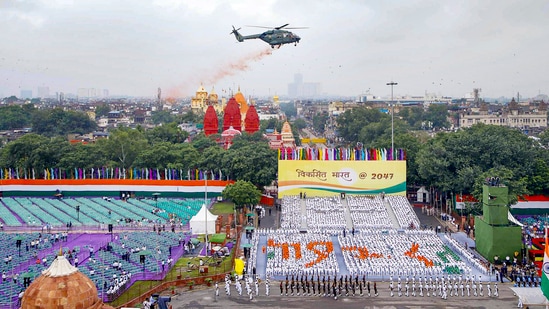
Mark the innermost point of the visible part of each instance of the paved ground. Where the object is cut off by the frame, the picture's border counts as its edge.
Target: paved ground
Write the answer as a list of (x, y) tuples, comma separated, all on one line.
[(205, 298)]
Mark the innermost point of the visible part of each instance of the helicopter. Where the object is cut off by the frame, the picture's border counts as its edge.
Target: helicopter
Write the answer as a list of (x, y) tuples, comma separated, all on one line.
[(274, 37)]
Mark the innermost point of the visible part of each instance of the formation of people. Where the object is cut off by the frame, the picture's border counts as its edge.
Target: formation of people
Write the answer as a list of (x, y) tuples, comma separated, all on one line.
[(359, 286), (304, 285), (443, 287)]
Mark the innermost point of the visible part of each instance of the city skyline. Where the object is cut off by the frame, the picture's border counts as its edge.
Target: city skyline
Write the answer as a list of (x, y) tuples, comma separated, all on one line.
[(350, 47)]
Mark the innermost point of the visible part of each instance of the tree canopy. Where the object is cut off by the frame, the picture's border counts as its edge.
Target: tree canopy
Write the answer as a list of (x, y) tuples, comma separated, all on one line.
[(55, 122), (242, 193)]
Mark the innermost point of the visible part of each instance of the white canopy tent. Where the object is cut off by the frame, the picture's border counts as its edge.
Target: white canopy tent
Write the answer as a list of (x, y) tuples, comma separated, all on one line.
[(513, 219), (530, 296), (202, 219)]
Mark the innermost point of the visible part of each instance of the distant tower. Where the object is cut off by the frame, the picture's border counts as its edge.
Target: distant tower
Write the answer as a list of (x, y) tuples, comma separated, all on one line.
[(159, 96), (275, 101), (476, 95)]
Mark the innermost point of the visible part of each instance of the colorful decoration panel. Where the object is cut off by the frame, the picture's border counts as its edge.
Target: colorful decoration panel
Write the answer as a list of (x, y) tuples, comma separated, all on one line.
[(326, 178)]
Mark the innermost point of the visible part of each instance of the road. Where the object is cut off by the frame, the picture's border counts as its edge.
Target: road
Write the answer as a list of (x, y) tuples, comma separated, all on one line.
[(309, 134)]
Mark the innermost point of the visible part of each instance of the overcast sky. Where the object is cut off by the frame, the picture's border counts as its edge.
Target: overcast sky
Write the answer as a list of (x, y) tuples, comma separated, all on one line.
[(133, 47)]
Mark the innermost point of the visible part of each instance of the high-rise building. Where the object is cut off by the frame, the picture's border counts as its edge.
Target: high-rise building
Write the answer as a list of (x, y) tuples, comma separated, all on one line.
[(87, 93), (43, 92), (83, 92), (299, 89), (26, 94)]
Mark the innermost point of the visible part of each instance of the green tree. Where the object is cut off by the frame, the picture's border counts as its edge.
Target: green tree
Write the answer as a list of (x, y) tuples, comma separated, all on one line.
[(169, 132), (123, 146), (11, 99), (83, 156), (437, 115), (210, 159), (319, 122), (255, 162), (299, 124), (289, 109), (242, 193), (414, 116), (412, 144), (201, 141), (271, 123), (516, 186), (102, 110), (544, 138), (56, 121), (363, 125), (192, 117), (538, 182), (245, 139), (451, 161), (158, 156), (159, 117), (20, 152), (14, 117), (33, 151)]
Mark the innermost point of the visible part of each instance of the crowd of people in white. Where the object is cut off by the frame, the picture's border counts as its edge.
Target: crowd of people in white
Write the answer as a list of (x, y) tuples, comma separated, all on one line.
[(325, 213), (290, 217), (374, 247), (386, 254), (368, 212), (296, 263), (405, 215)]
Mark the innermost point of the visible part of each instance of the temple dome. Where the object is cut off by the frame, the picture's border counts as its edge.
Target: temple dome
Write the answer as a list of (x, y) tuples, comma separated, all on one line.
[(201, 89), (230, 132), (62, 286), (239, 97), (228, 135)]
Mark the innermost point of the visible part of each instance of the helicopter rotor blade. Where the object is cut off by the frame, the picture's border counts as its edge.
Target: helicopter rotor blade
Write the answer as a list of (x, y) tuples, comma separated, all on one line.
[(278, 28), (260, 27)]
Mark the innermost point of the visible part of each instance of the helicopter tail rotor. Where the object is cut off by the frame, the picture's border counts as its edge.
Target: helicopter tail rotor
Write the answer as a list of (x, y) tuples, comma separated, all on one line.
[(237, 35)]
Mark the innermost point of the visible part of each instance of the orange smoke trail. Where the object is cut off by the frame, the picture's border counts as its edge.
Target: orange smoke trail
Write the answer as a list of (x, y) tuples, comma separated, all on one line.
[(243, 64), (224, 70)]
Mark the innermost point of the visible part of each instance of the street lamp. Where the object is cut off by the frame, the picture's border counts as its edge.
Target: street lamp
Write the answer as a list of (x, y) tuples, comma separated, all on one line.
[(392, 84)]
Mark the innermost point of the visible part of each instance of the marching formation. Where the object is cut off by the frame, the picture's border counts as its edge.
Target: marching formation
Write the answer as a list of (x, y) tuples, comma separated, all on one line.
[(453, 286), (356, 286)]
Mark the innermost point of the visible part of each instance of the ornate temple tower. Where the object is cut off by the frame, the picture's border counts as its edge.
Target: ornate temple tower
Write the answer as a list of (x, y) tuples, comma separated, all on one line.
[(287, 135), (213, 100), (232, 116), (198, 102), (251, 122), (211, 123)]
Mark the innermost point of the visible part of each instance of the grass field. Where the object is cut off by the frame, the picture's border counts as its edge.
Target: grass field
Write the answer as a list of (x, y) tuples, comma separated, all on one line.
[(221, 208)]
